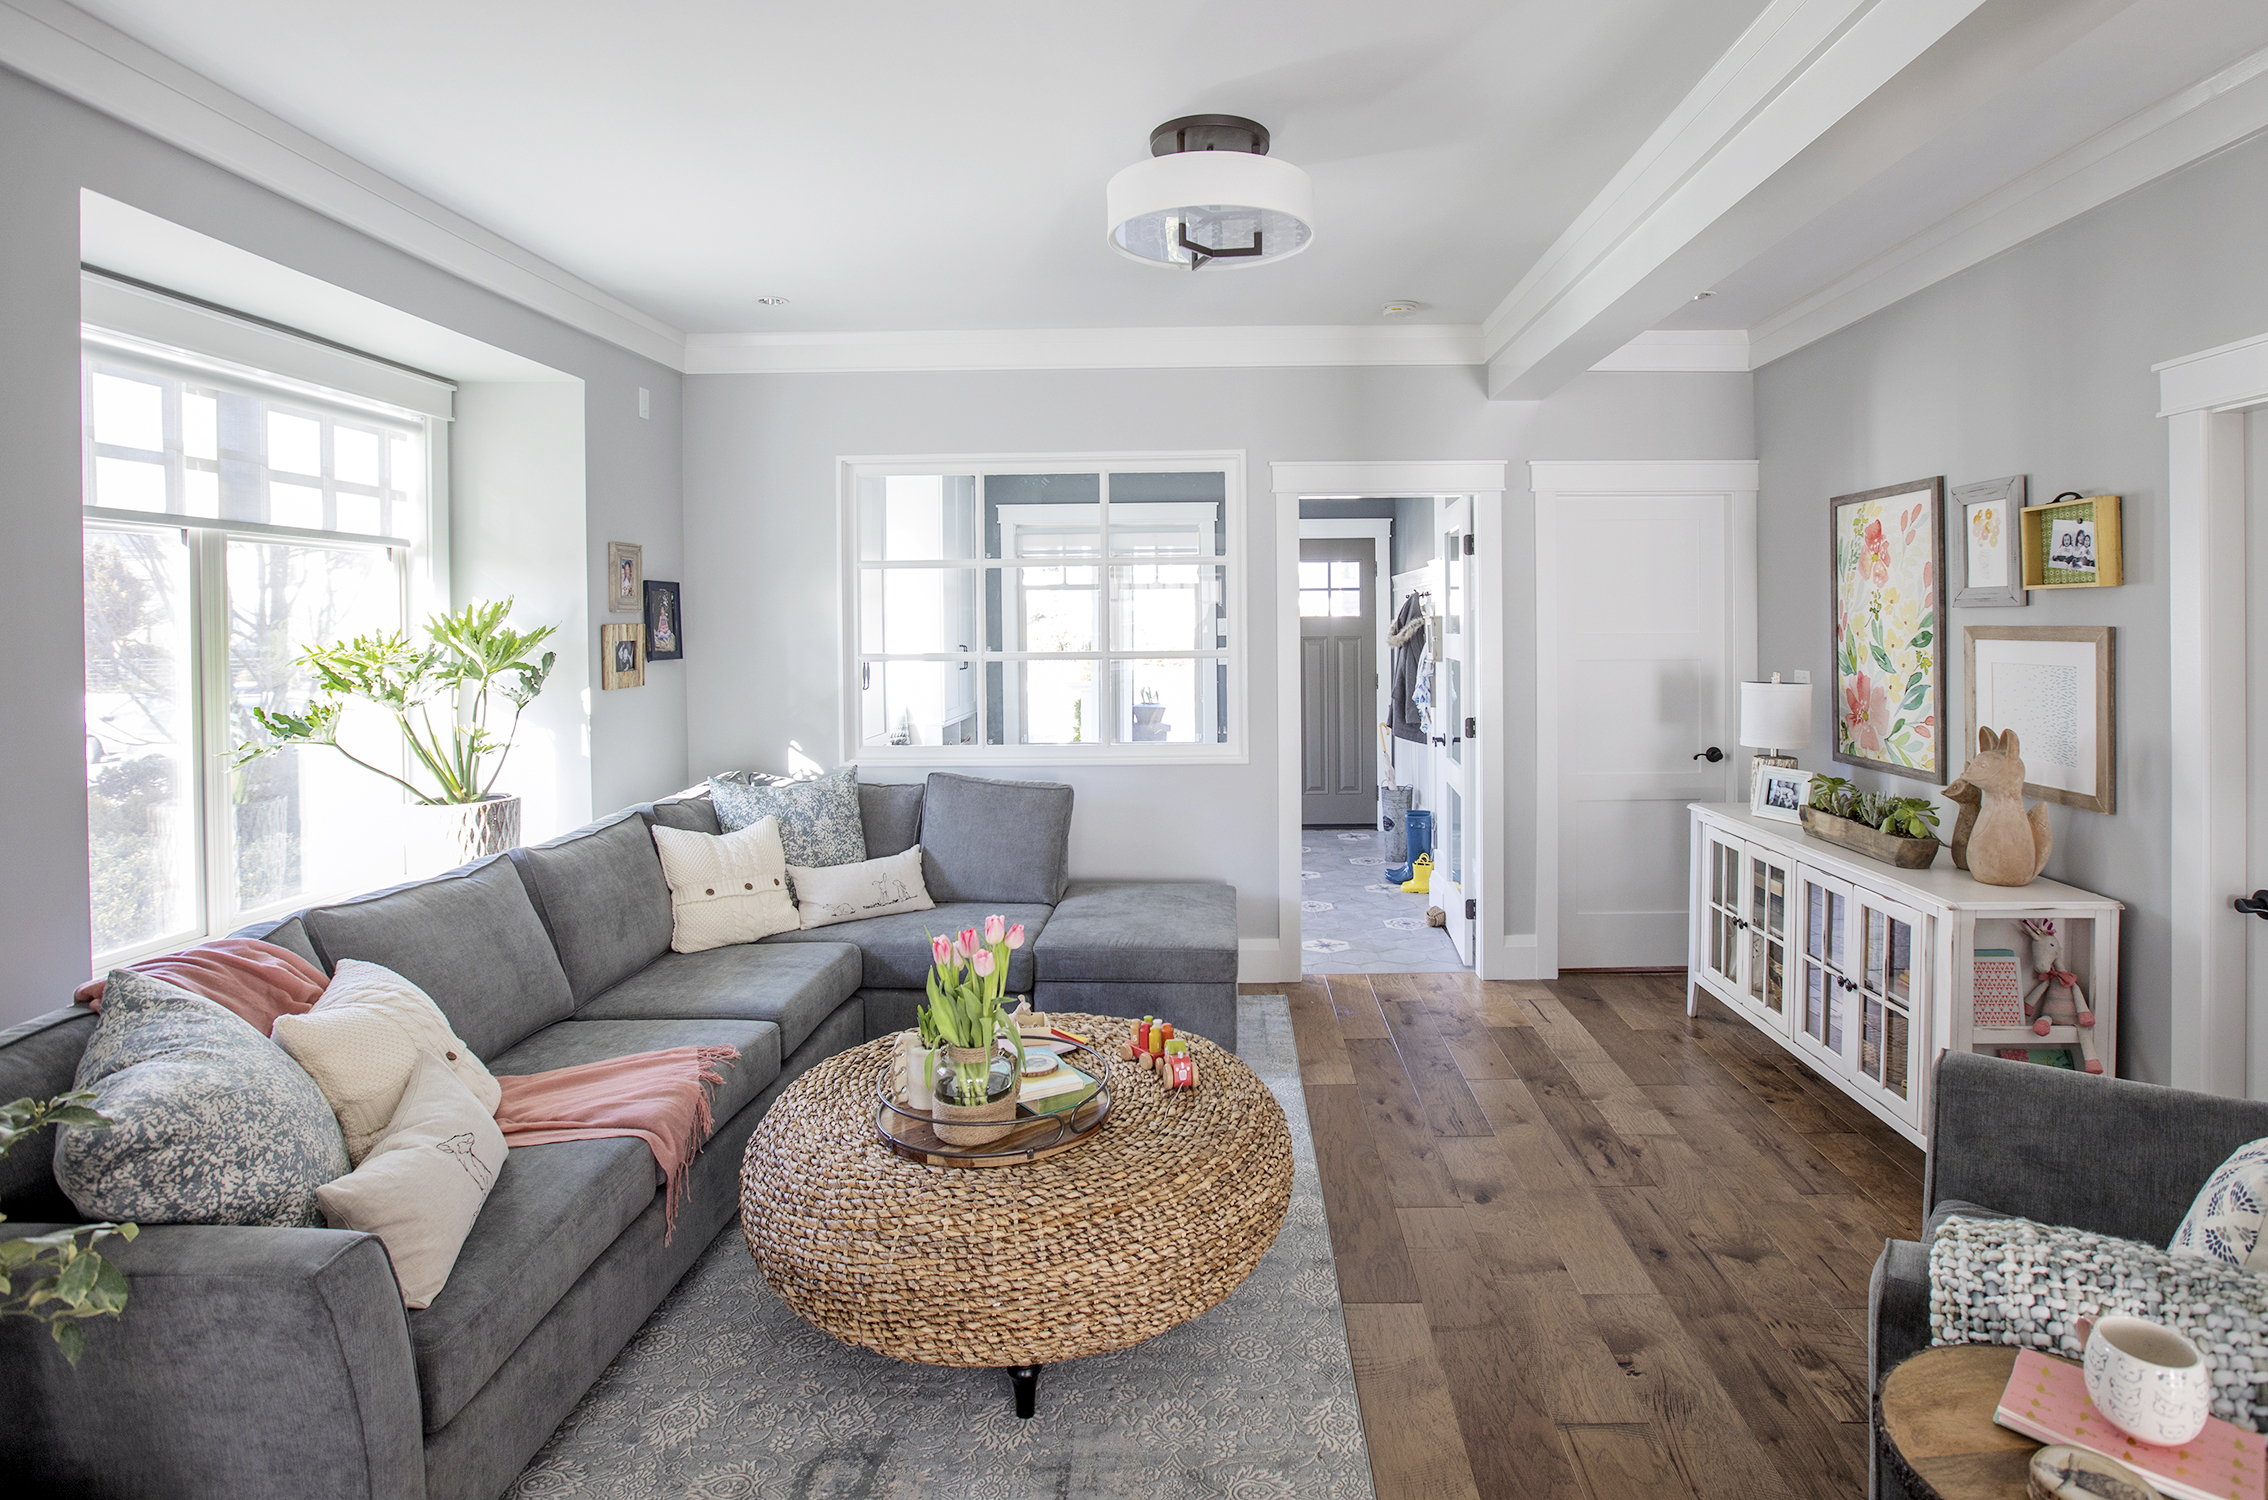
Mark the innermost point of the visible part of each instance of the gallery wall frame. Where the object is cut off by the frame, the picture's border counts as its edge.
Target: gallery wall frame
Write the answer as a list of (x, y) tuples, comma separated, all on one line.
[(2056, 686), (1886, 604), (622, 656), (625, 578), (665, 621), (2073, 542), (1986, 516)]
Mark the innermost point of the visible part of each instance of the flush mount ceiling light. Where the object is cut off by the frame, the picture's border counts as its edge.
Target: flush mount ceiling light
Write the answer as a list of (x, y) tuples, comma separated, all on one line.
[(1210, 195)]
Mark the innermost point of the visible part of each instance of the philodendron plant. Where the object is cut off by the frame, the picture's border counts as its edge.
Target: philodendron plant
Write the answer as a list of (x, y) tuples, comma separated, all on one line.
[(1901, 817), (968, 975), (470, 655), (58, 1278)]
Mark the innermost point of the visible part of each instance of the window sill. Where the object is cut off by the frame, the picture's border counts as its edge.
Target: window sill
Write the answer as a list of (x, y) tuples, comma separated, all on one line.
[(958, 757)]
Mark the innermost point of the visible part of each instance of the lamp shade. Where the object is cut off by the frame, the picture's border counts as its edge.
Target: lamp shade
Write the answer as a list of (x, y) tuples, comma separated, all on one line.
[(1244, 207), (1775, 715)]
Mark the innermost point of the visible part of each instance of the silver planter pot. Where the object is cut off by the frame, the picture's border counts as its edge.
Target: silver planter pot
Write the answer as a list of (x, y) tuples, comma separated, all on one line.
[(450, 834)]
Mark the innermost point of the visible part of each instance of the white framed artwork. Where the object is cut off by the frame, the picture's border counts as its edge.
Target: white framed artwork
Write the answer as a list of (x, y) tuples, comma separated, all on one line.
[(1780, 792), (2054, 686)]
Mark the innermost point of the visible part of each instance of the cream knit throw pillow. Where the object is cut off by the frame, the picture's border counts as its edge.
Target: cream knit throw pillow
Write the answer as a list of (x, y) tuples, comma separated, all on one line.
[(725, 888), (361, 1043)]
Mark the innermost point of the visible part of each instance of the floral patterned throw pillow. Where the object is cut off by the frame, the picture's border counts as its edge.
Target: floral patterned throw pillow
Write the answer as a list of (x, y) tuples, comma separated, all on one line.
[(212, 1122), (820, 822)]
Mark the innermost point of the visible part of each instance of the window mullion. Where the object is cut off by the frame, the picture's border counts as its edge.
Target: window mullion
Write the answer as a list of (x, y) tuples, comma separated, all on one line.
[(210, 679)]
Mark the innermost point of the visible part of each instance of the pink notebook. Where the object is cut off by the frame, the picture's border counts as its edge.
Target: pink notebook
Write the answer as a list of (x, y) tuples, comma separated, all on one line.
[(2047, 1399)]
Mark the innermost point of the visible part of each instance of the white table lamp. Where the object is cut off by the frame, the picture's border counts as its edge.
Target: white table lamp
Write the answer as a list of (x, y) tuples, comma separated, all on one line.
[(1775, 716)]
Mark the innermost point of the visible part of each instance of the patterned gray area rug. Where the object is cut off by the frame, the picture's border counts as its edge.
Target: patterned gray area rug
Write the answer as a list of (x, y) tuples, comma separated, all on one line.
[(726, 1393)]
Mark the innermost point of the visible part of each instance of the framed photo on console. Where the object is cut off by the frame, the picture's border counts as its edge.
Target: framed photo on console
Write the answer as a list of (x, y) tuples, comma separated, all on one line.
[(1886, 553)]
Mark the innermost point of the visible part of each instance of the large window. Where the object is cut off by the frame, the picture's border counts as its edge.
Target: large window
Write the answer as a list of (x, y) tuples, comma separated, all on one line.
[(1044, 610), (230, 522)]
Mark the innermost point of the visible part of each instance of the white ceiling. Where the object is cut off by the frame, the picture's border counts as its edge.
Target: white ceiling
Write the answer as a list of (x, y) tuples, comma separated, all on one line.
[(901, 164)]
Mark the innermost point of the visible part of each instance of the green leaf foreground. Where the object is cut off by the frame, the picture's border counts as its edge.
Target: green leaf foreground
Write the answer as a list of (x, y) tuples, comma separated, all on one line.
[(472, 654), (57, 1277)]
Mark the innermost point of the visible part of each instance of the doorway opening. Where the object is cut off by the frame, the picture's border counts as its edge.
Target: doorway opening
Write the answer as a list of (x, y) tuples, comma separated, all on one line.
[(1371, 578)]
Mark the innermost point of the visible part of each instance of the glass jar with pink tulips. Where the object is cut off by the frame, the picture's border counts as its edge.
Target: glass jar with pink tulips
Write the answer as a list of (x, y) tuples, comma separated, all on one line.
[(980, 1053)]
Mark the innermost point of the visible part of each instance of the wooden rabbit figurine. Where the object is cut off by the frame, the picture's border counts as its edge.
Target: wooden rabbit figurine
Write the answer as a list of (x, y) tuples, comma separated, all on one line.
[(2055, 998), (1995, 838)]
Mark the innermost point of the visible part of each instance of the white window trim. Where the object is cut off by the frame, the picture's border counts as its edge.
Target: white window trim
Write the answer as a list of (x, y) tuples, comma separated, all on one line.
[(1237, 751)]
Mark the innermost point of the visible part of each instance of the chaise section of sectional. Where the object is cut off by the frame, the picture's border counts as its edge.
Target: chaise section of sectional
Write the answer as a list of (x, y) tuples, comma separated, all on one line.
[(1135, 947)]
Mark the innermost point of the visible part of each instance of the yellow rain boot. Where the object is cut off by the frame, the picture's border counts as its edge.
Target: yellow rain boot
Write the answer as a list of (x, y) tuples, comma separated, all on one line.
[(1421, 876)]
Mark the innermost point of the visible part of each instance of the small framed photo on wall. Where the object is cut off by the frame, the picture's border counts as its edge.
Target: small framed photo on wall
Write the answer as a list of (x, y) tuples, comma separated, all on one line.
[(1780, 792), (625, 578), (622, 656), (1991, 548), (665, 622)]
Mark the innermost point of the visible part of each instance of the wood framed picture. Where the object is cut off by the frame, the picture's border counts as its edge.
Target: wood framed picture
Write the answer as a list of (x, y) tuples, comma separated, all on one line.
[(665, 622), (625, 578), (2072, 542), (1886, 556), (622, 656), (2056, 686), (1992, 543)]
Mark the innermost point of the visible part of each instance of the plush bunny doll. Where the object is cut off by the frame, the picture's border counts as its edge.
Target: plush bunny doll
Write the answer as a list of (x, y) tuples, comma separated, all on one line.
[(2056, 999)]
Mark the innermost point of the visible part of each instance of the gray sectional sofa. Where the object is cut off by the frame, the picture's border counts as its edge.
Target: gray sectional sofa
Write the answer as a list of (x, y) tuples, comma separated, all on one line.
[(2014, 1139), (259, 1362)]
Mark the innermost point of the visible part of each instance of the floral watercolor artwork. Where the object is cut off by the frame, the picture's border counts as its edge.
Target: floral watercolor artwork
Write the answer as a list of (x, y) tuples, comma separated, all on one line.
[(1988, 561), (1889, 676)]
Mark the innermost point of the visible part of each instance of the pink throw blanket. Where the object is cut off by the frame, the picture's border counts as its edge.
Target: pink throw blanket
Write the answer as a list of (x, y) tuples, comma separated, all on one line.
[(258, 981), (660, 1097)]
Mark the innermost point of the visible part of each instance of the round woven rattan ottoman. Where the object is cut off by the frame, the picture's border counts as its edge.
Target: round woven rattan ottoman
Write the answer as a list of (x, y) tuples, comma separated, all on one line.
[(1154, 1219)]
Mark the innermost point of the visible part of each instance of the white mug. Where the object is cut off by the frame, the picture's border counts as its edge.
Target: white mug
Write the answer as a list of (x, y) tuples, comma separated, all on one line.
[(2149, 1381)]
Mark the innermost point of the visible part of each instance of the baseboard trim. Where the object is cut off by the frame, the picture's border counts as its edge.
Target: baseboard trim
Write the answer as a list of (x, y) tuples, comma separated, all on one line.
[(1262, 961)]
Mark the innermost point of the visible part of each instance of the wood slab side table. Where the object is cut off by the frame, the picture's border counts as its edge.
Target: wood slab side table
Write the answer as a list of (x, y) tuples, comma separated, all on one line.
[(1936, 1426)]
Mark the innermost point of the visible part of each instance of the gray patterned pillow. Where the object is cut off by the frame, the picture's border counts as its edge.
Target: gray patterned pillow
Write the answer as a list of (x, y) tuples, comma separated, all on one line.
[(820, 822), (213, 1123)]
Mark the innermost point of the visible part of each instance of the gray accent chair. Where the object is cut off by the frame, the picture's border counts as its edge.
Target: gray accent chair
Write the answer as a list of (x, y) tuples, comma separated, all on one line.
[(2010, 1139), (259, 1362)]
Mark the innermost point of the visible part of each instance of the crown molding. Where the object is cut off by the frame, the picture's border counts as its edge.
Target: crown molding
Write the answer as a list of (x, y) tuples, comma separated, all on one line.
[(1691, 350), (1654, 476), (1082, 349), (71, 52), (2187, 126)]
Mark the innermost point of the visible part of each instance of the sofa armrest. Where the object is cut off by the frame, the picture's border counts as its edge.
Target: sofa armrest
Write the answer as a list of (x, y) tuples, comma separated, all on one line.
[(249, 1362), (2101, 1154)]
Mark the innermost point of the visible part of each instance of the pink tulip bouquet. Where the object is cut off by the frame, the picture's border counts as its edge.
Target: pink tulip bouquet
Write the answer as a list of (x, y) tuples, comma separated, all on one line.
[(968, 975)]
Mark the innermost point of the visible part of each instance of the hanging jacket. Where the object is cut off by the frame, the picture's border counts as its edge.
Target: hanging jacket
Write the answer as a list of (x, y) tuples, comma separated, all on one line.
[(1405, 717)]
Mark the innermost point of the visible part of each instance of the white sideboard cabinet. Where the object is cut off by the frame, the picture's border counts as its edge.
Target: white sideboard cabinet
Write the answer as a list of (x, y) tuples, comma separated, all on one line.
[(1867, 972)]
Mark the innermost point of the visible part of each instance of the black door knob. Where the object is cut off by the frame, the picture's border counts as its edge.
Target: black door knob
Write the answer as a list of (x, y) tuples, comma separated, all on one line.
[(1712, 755)]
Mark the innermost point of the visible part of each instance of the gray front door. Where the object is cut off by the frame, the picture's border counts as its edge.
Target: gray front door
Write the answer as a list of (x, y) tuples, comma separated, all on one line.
[(1338, 675)]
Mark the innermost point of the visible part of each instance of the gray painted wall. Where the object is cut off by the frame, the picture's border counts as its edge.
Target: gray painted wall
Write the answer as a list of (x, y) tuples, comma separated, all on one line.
[(53, 148), (759, 487), (2037, 363)]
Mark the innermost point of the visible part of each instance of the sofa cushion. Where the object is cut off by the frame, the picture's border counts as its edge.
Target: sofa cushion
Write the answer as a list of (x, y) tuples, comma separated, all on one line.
[(470, 939), (895, 949), (694, 814), (795, 988), (819, 818), (552, 1211), (286, 932), (725, 888), (570, 1043), (39, 1058), (891, 812), (986, 840), (885, 887), (210, 1123), (601, 893), (1144, 931)]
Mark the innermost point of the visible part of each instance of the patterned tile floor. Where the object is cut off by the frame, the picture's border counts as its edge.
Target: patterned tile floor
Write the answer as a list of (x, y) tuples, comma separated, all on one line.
[(1353, 923)]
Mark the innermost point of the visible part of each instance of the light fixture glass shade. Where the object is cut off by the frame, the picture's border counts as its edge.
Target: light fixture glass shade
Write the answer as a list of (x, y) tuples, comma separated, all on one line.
[(1222, 199), (1775, 715)]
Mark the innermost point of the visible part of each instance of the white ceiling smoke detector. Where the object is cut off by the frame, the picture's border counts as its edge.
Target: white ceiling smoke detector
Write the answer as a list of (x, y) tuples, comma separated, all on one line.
[(1210, 195), (1399, 309)]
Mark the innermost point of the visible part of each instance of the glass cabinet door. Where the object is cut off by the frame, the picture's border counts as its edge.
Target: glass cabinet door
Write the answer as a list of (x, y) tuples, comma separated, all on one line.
[(1721, 912), (1768, 878), (1891, 979), (1824, 988)]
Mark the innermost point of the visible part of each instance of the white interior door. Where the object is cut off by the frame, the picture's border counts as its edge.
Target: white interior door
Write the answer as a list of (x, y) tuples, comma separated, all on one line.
[(1642, 639), (1456, 862)]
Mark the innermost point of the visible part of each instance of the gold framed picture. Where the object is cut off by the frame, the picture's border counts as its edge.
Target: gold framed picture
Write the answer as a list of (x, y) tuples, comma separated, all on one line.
[(2072, 542), (622, 656), (625, 578)]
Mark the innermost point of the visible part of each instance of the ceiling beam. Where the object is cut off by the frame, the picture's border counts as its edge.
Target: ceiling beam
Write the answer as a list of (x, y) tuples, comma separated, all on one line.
[(1816, 98), (71, 52)]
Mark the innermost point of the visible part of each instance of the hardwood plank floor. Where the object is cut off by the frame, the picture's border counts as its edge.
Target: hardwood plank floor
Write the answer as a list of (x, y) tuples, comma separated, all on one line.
[(1590, 1247)]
